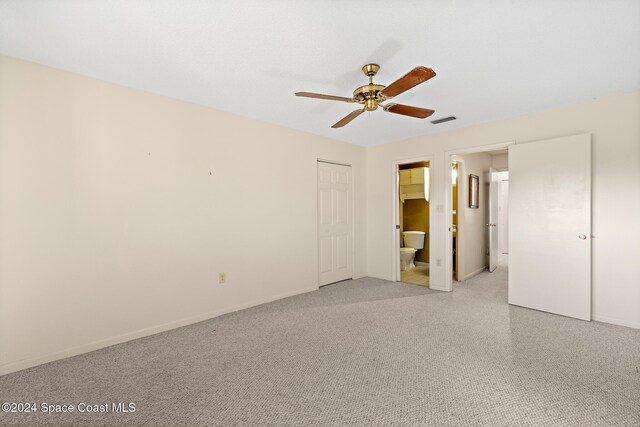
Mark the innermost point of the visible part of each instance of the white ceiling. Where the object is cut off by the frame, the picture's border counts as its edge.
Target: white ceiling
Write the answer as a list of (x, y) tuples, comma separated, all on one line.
[(493, 59)]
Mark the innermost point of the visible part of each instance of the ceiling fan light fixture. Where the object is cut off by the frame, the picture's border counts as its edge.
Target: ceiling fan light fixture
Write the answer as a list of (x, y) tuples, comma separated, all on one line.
[(371, 95)]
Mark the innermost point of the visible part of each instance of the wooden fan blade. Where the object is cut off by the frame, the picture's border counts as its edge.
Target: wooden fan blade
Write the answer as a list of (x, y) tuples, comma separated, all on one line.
[(412, 78), (408, 110), (352, 115), (321, 96)]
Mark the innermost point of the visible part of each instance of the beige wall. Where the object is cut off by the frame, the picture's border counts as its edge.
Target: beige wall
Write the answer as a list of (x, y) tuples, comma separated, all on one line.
[(472, 231), (615, 128), (500, 161), (415, 216), (119, 208)]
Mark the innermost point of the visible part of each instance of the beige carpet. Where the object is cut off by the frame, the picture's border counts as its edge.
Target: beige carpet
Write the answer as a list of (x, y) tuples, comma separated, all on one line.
[(360, 353)]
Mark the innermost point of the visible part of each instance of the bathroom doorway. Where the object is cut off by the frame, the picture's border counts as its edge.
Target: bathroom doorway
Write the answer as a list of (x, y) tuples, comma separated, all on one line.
[(413, 215)]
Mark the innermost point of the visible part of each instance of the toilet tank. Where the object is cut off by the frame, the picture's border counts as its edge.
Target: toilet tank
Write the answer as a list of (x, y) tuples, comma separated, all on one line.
[(413, 239)]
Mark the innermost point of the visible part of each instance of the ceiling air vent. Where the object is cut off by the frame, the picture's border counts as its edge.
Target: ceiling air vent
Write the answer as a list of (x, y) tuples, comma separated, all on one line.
[(442, 120)]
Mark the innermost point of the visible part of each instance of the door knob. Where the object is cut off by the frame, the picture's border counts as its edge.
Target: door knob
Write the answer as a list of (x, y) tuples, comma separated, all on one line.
[(582, 236)]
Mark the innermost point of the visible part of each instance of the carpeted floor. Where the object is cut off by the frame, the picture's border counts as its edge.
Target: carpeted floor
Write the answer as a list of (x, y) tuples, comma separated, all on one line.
[(359, 353)]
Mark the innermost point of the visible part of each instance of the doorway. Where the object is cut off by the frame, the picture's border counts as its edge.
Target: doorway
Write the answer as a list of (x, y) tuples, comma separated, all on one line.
[(472, 228), (499, 202), (413, 213), (454, 219)]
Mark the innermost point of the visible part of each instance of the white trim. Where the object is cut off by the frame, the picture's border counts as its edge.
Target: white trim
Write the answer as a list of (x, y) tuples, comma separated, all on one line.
[(388, 279), (463, 191), (437, 288), (395, 206), (96, 345), (421, 264), (619, 322), (448, 155), (474, 273), (332, 162)]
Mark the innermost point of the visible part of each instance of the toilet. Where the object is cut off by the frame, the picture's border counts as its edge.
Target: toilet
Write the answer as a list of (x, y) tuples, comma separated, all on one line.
[(406, 258), (413, 240)]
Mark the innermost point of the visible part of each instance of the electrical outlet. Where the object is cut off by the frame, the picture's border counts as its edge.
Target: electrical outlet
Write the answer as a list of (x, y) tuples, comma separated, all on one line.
[(439, 262), (222, 278)]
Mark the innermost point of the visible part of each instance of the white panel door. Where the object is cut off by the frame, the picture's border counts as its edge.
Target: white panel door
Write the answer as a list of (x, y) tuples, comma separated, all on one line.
[(334, 223), (550, 226), (493, 225)]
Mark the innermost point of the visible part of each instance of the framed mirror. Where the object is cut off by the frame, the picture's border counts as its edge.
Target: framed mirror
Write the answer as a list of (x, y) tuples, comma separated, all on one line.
[(474, 189)]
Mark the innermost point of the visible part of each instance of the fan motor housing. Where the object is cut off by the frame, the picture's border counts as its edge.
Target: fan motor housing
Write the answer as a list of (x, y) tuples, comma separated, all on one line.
[(367, 93)]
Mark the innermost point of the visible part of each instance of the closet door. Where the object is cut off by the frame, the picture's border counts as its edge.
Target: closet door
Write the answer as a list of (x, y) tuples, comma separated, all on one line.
[(335, 231)]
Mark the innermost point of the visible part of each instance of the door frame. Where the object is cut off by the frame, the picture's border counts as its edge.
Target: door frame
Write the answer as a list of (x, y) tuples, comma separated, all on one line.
[(448, 155), (493, 198), (462, 188), (352, 229), (395, 214)]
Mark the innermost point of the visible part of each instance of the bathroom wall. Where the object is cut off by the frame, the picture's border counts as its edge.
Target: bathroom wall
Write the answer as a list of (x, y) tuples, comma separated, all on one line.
[(415, 216), (119, 208), (615, 131)]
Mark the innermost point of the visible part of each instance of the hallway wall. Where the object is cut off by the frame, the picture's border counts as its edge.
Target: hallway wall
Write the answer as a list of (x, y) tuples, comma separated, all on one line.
[(472, 232)]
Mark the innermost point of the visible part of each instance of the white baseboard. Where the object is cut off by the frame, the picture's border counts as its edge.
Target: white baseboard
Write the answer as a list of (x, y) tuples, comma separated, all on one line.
[(620, 322), (379, 277), (421, 264), (96, 345), (474, 273)]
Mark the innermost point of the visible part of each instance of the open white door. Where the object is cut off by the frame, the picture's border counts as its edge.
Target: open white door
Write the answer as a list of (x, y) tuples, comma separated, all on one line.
[(334, 223), (550, 226), (492, 226)]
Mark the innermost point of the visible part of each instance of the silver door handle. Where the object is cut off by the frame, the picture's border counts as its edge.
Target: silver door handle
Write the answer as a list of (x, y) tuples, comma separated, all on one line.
[(582, 236), (490, 225)]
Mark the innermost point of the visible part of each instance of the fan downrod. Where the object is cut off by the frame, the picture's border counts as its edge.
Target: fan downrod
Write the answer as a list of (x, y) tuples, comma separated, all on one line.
[(369, 95)]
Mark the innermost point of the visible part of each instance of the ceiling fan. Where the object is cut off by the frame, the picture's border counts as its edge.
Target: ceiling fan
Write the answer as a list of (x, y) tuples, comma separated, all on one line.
[(372, 95)]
